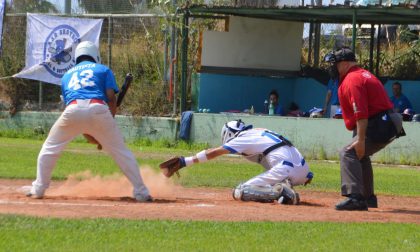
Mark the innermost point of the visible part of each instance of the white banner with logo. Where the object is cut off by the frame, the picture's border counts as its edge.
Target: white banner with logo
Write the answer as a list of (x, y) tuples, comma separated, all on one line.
[(2, 7), (51, 42)]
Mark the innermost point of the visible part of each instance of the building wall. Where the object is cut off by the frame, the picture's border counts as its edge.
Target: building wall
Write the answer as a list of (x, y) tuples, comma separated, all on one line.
[(255, 44), (309, 93)]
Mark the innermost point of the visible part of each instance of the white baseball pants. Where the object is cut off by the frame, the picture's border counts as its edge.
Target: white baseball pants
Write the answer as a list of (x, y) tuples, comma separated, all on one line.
[(286, 163), (97, 121)]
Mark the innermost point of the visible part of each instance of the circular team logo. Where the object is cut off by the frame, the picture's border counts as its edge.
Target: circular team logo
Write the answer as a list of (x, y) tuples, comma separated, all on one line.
[(366, 75), (58, 50)]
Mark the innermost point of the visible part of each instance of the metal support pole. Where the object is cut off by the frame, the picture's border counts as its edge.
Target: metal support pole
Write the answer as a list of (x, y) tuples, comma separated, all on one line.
[(378, 46), (110, 31), (173, 41), (165, 56), (353, 35), (311, 31), (317, 41), (184, 58), (173, 57), (67, 7), (173, 38), (317, 44), (174, 61), (378, 49), (371, 47), (40, 95)]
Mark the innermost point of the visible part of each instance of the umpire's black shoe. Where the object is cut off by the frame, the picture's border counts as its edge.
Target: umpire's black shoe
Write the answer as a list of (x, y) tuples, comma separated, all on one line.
[(353, 202), (372, 201)]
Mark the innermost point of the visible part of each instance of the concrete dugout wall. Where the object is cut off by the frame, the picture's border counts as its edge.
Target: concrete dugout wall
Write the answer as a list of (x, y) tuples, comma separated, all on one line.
[(314, 137), (131, 127)]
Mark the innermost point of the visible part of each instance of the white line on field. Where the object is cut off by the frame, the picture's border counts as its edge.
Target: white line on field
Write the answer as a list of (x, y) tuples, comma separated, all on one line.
[(204, 205), (8, 202)]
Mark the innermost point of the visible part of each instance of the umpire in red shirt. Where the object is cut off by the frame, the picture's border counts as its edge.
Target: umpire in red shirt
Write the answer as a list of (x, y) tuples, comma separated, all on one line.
[(367, 111)]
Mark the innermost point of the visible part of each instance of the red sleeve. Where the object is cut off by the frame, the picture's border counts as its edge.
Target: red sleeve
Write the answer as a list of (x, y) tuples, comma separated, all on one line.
[(359, 98)]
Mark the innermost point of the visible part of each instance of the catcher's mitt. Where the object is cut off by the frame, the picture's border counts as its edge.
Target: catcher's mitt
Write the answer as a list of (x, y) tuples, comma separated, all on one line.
[(171, 166)]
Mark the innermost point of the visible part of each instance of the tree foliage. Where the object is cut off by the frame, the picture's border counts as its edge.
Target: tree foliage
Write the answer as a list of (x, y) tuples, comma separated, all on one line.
[(110, 6), (41, 6)]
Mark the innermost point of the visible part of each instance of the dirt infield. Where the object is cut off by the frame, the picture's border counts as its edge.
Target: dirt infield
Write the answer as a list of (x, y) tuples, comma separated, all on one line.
[(98, 197)]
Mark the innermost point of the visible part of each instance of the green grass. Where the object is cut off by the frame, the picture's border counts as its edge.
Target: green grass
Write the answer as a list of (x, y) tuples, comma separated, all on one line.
[(18, 160), (45, 234), (40, 134)]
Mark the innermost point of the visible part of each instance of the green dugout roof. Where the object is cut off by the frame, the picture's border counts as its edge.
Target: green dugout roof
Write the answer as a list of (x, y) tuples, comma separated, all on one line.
[(372, 14)]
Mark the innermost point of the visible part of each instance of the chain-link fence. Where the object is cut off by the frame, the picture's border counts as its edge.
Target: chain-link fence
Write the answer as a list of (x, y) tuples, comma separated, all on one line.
[(132, 43)]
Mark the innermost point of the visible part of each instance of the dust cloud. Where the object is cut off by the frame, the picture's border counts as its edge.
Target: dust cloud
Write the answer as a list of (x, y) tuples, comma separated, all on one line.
[(85, 184)]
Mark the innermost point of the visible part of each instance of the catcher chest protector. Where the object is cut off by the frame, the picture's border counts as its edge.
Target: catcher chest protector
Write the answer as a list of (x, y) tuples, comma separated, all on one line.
[(266, 194)]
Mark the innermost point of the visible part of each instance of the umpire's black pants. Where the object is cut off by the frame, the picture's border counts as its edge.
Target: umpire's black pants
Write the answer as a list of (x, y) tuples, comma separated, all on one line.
[(357, 175)]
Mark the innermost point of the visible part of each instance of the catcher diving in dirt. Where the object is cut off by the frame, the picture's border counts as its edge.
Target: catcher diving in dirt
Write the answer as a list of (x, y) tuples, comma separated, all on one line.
[(285, 166)]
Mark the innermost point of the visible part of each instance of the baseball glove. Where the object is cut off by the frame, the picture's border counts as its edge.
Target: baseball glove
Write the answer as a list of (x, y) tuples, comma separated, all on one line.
[(171, 166)]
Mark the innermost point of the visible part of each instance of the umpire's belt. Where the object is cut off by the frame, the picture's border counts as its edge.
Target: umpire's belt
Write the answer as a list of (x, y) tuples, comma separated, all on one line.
[(302, 163), (98, 101)]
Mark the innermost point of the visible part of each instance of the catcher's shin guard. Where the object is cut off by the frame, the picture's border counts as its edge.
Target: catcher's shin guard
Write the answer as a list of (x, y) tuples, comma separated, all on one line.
[(255, 193), (288, 196), (280, 192)]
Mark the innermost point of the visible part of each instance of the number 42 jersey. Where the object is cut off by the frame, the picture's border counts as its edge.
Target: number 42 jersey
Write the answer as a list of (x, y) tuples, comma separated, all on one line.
[(87, 80)]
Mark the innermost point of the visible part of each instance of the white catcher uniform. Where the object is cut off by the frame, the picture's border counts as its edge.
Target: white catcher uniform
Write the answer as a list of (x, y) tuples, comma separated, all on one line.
[(84, 89), (281, 163)]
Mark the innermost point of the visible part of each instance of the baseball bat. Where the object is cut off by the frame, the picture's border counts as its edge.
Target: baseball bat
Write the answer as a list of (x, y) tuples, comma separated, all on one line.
[(124, 88), (127, 82)]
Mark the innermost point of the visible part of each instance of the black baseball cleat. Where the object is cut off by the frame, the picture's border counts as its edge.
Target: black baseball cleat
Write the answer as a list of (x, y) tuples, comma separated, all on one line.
[(372, 201), (352, 203)]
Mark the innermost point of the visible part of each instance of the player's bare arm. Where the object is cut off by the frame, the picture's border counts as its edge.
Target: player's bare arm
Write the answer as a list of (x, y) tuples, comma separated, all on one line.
[(112, 101)]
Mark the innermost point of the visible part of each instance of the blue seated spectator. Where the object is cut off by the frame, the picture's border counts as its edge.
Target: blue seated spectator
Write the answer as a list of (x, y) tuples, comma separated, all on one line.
[(399, 100), (274, 98)]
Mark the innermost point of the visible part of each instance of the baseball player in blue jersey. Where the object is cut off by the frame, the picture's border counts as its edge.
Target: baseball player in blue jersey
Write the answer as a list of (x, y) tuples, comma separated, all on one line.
[(88, 90), (285, 166)]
